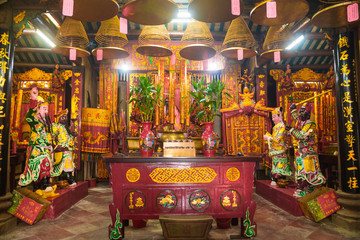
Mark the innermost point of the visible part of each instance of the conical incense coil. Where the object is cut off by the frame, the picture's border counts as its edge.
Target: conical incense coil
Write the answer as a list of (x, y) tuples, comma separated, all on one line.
[(72, 33), (199, 42), (109, 35), (154, 41)]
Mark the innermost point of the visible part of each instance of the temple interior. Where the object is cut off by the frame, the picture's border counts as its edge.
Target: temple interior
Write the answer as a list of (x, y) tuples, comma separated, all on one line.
[(179, 119)]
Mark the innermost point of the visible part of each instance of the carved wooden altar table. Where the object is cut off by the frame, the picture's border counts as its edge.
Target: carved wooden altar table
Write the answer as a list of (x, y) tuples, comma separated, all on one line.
[(146, 187)]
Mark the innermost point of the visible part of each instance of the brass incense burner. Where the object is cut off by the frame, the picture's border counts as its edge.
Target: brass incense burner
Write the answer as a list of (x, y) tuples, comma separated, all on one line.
[(168, 135)]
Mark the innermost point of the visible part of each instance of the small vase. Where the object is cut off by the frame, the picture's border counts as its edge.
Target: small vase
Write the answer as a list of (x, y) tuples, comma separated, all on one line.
[(208, 140), (147, 140)]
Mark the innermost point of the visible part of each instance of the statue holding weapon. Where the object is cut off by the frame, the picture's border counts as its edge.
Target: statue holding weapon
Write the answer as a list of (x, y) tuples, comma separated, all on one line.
[(307, 167), (64, 139)]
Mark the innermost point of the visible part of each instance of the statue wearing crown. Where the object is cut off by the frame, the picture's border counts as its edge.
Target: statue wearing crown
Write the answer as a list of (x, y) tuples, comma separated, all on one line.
[(278, 147), (39, 159), (64, 145)]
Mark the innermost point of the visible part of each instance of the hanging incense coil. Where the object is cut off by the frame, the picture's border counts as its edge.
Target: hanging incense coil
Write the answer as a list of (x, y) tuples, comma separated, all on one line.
[(287, 12), (334, 16), (150, 12), (110, 40), (276, 39), (212, 10), (238, 37), (71, 35), (199, 41), (94, 10), (154, 41)]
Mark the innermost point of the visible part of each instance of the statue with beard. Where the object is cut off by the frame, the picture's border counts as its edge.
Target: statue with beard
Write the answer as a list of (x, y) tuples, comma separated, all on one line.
[(307, 167)]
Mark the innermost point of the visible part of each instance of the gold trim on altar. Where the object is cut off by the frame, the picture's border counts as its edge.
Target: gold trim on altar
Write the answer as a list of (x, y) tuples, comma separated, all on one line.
[(132, 175), (233, 174), (183, 175)]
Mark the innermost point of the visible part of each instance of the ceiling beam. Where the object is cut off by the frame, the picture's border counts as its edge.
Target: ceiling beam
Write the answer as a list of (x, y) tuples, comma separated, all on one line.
[(304, 53), (296, 67), (29, 49), (42, 65), (36, 5)]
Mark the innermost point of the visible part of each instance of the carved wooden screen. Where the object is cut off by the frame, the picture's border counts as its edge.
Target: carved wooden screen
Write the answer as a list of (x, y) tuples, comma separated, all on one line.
[(51, 88), (244, 134)]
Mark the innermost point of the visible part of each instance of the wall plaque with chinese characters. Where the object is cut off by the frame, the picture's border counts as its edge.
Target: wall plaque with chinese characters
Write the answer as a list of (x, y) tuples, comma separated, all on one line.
[(76, 105)]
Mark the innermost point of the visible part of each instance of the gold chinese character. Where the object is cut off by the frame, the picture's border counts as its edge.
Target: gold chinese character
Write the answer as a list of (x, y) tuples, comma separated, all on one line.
[(2, 114), (343, 41), (77, 90), (346, 83), (4, 53), (262, 84), (2, 81), (344, 69), (344, 55), (4, 39), (352, 168), (77, 82), (350, 139), (353, 182), (2, 96), (349, 126), (347, 111), (346, 97), (351, 155), (262, 92), (3, 66)]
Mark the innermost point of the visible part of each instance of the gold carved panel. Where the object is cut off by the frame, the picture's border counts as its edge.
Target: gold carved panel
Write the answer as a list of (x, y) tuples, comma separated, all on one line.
[(183, 175)]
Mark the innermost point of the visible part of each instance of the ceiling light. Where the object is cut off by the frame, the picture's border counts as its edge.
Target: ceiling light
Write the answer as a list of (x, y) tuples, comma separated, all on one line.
[(181, 20), (294, 43), (183, 14), (45, 38), (213, 66), (124, 67)]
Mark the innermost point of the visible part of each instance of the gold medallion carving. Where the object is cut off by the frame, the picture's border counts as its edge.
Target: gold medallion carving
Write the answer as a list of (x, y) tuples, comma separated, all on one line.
[(183, 175), (132, 175), (233, 174)]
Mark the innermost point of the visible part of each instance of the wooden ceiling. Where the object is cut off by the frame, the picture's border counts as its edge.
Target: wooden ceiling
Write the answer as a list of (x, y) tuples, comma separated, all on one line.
[(31, 51)]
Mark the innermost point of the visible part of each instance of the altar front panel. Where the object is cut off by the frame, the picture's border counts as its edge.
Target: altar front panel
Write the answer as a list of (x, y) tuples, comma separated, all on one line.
[(144, 191)]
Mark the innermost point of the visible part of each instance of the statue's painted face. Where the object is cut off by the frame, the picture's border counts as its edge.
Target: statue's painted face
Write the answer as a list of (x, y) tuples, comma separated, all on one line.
[(303, 114), (62, 119), (34, 93), (276, 118), (43, 110)]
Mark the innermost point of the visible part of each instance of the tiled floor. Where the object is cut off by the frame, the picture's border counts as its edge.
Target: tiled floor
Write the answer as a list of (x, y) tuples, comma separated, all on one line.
[(89, 219)]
